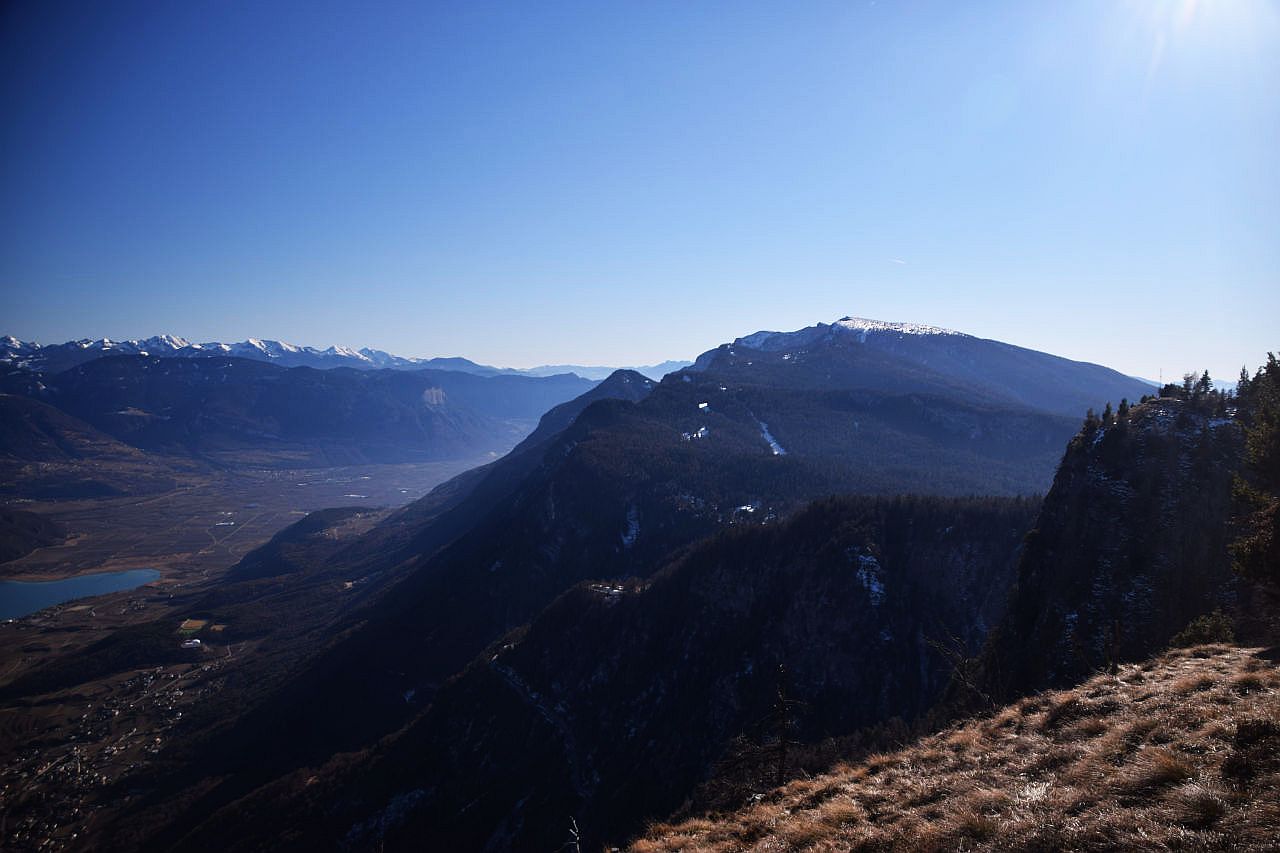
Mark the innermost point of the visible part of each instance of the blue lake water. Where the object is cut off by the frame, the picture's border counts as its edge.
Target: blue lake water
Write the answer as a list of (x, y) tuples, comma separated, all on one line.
[(18, 598)]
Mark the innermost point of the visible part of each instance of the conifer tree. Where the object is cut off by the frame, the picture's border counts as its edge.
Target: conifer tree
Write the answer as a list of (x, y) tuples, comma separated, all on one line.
[(1090, 423), (1257, 550)]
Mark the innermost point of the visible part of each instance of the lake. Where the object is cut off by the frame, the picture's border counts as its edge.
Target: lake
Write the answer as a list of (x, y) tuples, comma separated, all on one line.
[(18, 598)]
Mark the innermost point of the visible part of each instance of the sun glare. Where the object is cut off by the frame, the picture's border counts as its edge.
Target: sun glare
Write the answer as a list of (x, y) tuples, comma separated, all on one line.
[(1235, 25)]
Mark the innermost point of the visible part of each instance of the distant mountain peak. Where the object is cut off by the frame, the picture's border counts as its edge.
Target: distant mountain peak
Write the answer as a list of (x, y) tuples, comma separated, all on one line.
[(169, 342), (347, 352)]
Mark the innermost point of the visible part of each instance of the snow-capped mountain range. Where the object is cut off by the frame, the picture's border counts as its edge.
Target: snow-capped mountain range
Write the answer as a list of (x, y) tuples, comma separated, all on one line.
[(53, 358)]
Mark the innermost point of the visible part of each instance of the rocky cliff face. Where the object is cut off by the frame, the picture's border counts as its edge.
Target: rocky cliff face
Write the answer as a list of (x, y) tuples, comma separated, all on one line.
[(1131, 544)]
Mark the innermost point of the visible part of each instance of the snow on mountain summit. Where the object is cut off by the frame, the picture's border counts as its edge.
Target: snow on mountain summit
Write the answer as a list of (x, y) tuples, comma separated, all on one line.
[(861, 324), (57, 357), (162, 343), (347, 352), (774, 341)]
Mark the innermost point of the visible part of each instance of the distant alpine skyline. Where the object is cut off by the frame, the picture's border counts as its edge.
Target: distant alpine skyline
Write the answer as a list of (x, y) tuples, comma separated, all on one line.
[(578, 183)]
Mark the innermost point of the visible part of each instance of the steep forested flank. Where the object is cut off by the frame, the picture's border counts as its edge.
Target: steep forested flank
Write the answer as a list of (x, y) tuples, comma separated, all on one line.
[(618, 699), (1131, 544), (1179, 753)]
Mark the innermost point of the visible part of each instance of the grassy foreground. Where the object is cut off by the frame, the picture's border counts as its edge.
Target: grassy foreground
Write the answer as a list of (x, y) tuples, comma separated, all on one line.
[(1179, 753)]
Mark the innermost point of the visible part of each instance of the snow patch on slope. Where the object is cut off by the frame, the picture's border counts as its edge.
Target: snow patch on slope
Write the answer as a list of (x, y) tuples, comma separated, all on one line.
[(871, 576), (632, 532), (777, 449)]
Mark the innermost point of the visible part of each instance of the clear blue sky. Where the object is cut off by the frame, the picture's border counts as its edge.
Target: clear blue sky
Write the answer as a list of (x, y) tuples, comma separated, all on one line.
[(626, 182)]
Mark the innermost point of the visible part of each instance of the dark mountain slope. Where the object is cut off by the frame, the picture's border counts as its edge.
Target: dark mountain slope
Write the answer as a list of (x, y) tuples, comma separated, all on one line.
[(617, 699), (625, 385), (47, 454), (453, 507), (293, 549), (219, 405), (32, 431), (22, 532), (329, 583), (1130, 546)]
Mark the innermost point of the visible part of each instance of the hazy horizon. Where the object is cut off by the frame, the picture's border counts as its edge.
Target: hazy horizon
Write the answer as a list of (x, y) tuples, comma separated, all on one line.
[(576, 184)]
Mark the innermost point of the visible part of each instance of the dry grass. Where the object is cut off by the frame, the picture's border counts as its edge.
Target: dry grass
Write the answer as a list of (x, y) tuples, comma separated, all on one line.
[(1182, 752)]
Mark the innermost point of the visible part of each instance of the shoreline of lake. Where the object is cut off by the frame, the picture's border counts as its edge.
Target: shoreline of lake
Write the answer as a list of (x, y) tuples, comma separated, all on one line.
[(19, 598)]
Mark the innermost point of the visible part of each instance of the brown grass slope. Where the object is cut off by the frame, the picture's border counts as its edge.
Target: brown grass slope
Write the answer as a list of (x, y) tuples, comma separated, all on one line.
[(1179, 753)]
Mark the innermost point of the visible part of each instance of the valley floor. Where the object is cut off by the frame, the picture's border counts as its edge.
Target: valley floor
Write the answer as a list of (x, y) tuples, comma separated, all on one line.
[(210, 519), (1179, 753), (191, 534), (62, 752)]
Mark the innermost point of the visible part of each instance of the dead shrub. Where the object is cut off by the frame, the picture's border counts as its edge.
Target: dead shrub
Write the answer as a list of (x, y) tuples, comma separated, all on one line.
[(1198, 807), (1255, 750), (1064, 712), (878, 763), (1055, 758), (1153, 769), (968, 823), (1247, 682), (1193, 684), (963, 739), (802, 832), (841, 812), (1140, 728), (1073, 708), (987, 800), (1091, 728)]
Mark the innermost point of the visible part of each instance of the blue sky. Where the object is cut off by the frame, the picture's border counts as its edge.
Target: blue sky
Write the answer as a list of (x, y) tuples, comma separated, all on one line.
[(525, 183)]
